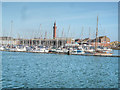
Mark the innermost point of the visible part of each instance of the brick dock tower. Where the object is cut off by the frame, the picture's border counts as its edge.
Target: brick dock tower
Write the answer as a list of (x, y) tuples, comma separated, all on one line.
[(54, 30)]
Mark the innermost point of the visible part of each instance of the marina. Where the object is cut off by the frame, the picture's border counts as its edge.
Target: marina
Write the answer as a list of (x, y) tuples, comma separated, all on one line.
[(59, 45), (100, 46), (57, 51)]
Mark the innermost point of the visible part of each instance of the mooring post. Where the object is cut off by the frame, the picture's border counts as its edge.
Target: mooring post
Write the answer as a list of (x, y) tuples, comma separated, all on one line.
[(69, 52)]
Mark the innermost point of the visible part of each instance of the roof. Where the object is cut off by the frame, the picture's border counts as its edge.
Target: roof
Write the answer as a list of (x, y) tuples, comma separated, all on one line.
[(86, 39), (102, 37), (6, 38)]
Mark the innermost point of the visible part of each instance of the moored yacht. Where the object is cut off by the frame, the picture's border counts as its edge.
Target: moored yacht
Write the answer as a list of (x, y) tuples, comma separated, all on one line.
[(79, 50), (21, 48), (2, 48)]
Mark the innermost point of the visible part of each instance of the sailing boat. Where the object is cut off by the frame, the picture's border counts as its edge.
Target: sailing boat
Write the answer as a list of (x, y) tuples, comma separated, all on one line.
[(79, 50), (89, 49), (97, 51)]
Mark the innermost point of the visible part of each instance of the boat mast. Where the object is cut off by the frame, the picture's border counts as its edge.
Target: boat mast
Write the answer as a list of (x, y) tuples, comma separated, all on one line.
[(96, 35), (40, 35), (11, 34), (32, 39), (68, 33), (29, 42), (62, 36), (105, 39), (63, 33), (82, 36), (23, 41), (89, 35), (46, 35)]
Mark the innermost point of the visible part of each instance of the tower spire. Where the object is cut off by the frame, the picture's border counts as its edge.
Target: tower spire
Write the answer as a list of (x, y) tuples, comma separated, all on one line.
[(55, 22), (54, 30)]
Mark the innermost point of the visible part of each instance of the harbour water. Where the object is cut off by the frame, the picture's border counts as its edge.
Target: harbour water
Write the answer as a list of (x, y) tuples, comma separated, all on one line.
[(37, 70)]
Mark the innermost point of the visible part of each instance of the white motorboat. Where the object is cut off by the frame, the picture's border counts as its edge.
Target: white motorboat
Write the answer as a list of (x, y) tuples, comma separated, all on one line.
[(41, 50), (59, 50), (78, 51), (104, 49), (2, 48), (89, 50), (65, 50), (21, 49)]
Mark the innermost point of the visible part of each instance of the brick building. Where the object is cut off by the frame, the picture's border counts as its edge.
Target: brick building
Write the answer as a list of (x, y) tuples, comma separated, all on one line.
[(101, 41)]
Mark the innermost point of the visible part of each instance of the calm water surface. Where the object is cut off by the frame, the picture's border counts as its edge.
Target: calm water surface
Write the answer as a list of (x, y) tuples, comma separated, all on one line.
[(35, 70)]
